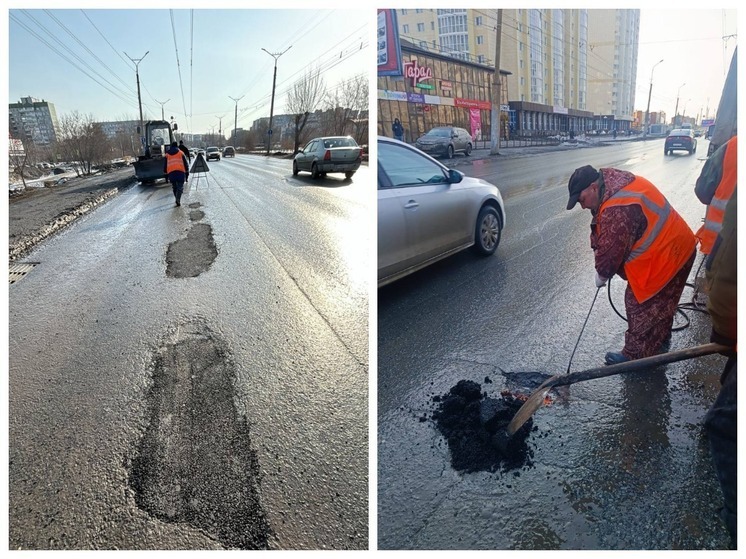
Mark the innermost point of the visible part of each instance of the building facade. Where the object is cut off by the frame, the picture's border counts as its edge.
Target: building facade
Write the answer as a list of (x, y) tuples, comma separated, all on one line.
[(439, 90), (568, 61), (33, 120)]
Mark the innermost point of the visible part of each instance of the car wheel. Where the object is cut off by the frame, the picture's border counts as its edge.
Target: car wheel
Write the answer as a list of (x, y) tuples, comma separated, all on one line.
[(487, 231), (468, 149), (314, 171), (349, 174), (295, 167), (450, 152)]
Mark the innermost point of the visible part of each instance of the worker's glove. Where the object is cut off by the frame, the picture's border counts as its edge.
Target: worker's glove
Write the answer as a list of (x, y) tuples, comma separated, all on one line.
[(600, 281)]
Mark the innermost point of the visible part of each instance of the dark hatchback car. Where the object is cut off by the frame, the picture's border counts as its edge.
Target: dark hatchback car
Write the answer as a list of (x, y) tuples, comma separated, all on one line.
[(444, 141), (680, 139), (228, 151)]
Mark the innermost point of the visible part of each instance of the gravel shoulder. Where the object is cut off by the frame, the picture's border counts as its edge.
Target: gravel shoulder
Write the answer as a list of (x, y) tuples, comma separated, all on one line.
[(37, 213)]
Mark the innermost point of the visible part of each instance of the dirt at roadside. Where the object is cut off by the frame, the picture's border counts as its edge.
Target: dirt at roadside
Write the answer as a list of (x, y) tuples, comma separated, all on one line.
[(37, 213)]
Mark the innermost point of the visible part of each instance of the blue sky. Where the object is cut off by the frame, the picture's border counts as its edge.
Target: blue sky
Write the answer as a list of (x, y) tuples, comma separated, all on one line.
[(218, 50)]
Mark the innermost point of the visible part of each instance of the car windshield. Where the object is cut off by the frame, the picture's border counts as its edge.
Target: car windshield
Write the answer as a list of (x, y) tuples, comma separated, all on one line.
[(440, 132), (212, 149), (339, 143)]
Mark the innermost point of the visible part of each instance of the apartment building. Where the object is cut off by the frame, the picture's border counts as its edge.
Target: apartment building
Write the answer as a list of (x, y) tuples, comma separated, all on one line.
[(33, 120), (561, 60)]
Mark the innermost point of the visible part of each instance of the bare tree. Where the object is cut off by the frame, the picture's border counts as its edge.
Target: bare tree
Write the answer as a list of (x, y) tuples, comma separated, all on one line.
[(83, 143), (347, 109), (20, 155), (303, 99)]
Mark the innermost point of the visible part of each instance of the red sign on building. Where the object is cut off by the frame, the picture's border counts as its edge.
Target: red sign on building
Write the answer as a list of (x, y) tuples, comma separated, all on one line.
[(472, 104)]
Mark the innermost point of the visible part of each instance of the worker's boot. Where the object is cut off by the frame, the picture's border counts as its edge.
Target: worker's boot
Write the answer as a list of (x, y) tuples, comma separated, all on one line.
[(614, 358)]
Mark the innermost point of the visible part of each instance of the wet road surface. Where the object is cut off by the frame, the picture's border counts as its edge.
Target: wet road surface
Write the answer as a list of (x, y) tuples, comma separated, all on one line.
[(196, 377), (618, 463)]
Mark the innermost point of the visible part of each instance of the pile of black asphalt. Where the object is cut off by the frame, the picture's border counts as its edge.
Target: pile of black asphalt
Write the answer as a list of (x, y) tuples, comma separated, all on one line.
[(473, 423)]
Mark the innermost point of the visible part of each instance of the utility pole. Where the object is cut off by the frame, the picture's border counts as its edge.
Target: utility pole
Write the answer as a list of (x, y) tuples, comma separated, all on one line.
[(136, 62), (235, 120), (650, 93), (272, 104), (163, 116), (496, 113), (220, 128), (676, 110)]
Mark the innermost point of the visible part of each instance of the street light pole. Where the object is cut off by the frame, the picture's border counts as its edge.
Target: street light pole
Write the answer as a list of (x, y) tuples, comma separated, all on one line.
[(650, 93), (235, 120), (272, 104), (220, 128), (163, 116), (676, 111), (136, 62)]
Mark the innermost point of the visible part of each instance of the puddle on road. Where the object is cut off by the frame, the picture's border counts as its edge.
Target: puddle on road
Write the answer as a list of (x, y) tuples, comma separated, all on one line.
[(195, 464), (469, 420)]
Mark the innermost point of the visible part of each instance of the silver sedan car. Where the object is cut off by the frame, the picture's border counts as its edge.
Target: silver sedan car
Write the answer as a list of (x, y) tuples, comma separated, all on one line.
[(332, 154), (427, 211)]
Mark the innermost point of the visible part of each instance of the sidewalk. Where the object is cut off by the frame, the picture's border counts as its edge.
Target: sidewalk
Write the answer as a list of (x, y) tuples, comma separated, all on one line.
[(509, 152)]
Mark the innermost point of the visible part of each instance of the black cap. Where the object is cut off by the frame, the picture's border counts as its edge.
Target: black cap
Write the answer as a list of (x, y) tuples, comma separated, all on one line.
[(579, 181), (174, 144)]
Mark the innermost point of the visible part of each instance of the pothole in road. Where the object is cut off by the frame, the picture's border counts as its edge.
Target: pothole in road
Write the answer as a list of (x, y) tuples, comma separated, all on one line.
[(469, 420), (189, 257), (195, 464), (196, 215)]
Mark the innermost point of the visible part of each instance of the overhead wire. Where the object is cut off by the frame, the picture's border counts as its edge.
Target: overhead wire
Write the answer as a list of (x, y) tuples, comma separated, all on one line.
[(25, 26), (178, 64)]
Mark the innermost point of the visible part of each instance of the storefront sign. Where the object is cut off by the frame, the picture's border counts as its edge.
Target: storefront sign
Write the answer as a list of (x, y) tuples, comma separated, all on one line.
[(446, 86), (425, 86), (417, 73), (472, 104), (394, 95), (415, 98), (432, 99), (556, 109)]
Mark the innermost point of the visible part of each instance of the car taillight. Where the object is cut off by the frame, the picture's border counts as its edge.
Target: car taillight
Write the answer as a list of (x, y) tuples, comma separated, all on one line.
[(360, 153), (328, 155)]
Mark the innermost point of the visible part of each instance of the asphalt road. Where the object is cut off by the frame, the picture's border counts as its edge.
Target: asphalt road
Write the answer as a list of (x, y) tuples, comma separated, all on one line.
[(617, 463), (196, 377)]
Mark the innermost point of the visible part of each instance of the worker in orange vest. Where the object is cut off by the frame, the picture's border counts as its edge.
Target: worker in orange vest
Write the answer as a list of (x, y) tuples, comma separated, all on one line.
[(176, 167), (715, 185), (638, 235)]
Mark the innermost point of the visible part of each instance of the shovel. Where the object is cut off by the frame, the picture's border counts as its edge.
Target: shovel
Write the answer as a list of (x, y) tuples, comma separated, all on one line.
[(535, 401)]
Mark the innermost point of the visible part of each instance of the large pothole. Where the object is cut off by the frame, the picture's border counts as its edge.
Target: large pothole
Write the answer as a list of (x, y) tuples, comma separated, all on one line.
[(195, 464), (189, 257)]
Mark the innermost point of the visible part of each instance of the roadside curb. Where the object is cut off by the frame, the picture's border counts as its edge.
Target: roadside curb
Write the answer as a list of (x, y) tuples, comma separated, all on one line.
[(65, 218)]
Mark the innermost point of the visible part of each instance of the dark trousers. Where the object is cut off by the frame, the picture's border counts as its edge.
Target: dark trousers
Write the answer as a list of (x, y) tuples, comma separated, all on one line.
[(177, 186), (720, 424)]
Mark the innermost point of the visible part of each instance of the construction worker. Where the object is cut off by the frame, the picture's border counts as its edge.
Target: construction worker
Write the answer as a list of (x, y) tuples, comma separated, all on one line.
[(176, 167), (636, 233), (715, 184), (186, 151), (721, 419)]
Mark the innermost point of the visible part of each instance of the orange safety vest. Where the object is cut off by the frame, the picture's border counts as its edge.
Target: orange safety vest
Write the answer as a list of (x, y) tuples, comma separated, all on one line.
[(664, 247), (716, 208), (175, 162)]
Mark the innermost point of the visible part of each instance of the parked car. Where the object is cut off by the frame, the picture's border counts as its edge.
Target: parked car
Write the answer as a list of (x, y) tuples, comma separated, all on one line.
[(445, 141), (228, 151), (681, 139), (332, 154), (427, 211), (213, 153)]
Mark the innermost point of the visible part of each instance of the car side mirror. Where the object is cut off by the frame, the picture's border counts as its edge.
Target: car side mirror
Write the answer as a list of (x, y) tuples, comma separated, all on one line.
[(455, 176)]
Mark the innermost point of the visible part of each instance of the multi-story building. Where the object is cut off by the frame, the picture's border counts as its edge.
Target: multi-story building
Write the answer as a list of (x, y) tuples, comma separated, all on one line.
[(32, 120), (115, 128), (561, 59), (613, 39)]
